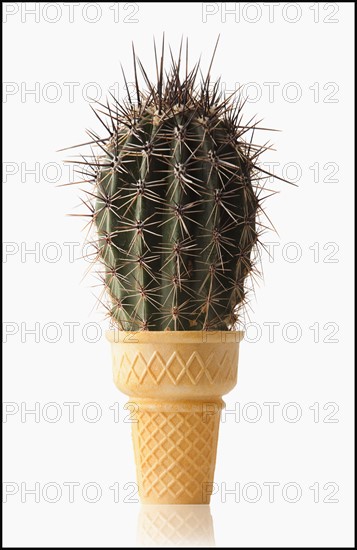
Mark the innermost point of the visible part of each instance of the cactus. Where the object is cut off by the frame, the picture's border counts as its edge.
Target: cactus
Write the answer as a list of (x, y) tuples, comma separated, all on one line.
[(175, 197)]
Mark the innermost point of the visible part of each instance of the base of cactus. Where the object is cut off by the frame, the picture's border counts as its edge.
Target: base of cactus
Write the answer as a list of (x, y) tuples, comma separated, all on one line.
[(175, 381)]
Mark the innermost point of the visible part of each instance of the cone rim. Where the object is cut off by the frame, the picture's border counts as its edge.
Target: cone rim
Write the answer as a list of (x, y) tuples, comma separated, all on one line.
[(116, 336)]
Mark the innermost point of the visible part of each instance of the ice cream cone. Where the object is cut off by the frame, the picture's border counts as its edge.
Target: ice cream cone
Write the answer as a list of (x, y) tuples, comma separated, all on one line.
[(175, 381)]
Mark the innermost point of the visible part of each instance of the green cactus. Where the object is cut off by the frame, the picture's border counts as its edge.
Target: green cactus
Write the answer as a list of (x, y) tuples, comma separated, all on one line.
[(175, 201)]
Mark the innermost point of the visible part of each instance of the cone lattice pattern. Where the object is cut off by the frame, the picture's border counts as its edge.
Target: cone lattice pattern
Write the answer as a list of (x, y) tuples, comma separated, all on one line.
[(179, 367), (176, 452)]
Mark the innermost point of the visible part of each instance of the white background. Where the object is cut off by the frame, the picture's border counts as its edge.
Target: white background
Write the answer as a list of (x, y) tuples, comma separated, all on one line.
[(310, 49)]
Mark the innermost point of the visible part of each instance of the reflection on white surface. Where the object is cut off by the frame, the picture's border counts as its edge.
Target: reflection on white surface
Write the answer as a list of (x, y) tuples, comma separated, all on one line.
[(175, 525)]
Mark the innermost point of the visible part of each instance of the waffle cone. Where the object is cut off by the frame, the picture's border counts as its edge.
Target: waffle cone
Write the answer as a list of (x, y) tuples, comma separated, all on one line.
[(175, 381)]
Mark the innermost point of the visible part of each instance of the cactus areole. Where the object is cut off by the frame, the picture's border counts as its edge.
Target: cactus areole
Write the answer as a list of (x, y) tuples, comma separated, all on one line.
[(175, 197)]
